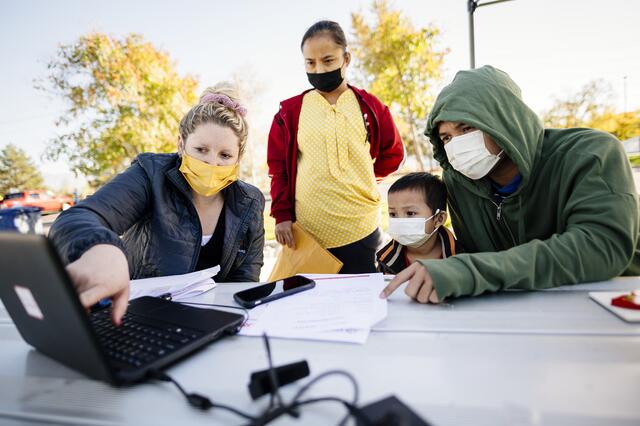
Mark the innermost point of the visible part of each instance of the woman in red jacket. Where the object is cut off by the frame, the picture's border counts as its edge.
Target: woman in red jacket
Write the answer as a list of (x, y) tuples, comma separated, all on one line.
[(327, 147)]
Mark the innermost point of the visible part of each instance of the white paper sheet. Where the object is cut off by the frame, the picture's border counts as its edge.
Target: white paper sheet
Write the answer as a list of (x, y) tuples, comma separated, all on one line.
[(179, 286), (338, 308)]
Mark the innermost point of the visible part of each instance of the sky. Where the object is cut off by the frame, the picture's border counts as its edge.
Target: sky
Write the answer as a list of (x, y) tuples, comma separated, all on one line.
[(551, 48)]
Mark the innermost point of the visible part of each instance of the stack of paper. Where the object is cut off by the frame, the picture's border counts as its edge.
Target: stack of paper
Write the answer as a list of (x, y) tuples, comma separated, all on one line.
[(178, 286), (339, 308)]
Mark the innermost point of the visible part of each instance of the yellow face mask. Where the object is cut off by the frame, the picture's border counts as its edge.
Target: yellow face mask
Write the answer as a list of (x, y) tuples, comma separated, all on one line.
[(206, 179)]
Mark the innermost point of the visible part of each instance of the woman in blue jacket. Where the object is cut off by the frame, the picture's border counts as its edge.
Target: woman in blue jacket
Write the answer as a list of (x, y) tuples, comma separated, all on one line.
[(170, 213)]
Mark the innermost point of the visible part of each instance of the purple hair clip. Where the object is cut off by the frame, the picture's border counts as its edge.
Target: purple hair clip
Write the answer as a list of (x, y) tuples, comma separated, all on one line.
[(224, 100)]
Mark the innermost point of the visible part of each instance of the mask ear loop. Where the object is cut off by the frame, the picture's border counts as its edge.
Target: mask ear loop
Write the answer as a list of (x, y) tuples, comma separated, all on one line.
[(437, 212), (500, 157), (435, 228)]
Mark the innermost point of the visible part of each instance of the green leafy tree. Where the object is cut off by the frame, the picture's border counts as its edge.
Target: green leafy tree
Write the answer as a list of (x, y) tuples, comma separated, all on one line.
[(592, 106), (400, 64), (17, 171), (124, 97)]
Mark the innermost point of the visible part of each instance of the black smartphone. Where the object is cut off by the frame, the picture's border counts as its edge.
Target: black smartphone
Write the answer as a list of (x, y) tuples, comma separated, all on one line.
[(264, 293)]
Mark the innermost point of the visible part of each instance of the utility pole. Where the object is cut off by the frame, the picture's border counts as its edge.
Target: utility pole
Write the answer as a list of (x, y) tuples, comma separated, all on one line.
[(472, 5)]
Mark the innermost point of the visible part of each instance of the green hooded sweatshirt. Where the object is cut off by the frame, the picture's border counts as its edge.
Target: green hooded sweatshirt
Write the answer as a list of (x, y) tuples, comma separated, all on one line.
[(573, 219)]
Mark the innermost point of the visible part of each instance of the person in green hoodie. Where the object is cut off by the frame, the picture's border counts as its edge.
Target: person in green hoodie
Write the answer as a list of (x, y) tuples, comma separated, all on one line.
[(533, 208)]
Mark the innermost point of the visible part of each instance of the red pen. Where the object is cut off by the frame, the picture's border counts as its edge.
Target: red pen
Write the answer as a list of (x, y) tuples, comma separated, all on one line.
[(627, 301)]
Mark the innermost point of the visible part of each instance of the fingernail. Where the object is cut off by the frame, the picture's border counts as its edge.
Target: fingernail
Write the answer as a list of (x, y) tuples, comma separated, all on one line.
[(383, 295)]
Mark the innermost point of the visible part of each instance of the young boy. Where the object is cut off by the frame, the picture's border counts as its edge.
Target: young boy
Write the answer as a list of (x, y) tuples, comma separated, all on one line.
[(417, 213)]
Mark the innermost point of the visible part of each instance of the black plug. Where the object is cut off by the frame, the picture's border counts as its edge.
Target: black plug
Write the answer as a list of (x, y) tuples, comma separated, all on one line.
[(195, 400), (158, 375), (201, 402)]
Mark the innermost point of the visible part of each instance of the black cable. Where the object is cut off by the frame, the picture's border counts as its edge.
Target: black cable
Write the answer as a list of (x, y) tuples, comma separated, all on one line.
[(203, 403), (356, 391), (273, 413), (272, 373), (352, 408), (305, 388), (275, 395), (200, 401)]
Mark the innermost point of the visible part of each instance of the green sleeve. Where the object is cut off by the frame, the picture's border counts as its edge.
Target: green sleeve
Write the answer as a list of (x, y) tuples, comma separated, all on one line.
[(597, 242)]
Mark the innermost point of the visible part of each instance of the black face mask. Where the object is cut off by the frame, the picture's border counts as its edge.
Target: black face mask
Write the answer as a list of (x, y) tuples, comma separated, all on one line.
[(326, 81)]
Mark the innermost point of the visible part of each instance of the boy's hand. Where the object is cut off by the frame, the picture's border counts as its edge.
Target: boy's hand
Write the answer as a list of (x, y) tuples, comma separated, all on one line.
[(420, 287)]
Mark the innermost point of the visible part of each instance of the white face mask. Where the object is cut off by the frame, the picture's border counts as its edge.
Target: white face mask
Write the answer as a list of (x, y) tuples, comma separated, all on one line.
[(409, 231), (468, 155)]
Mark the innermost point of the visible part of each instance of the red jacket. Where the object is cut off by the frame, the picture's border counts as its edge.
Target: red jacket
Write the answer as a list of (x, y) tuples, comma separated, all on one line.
[(386, 148)]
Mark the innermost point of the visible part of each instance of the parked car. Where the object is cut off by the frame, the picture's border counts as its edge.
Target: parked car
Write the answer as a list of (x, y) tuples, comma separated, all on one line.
[(25, 220), (46, 200)]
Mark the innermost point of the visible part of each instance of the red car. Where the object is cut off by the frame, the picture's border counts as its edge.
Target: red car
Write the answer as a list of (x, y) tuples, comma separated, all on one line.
[(46, 200)]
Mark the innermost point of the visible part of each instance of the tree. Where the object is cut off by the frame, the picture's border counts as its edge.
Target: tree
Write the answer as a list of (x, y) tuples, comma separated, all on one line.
[(399, 64), (624, 125), (250, 91), (124, 98), (592, 107), (577, 109), (17, 171)]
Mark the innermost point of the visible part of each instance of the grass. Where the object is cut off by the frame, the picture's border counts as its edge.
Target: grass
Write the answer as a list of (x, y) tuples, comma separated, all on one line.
[(634, 160)]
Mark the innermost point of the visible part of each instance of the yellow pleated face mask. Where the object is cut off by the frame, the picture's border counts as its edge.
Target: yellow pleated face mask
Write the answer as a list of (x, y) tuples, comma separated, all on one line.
[(207, 179)]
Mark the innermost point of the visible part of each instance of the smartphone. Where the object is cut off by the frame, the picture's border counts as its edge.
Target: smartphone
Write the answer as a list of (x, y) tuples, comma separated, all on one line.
[(264, 293)]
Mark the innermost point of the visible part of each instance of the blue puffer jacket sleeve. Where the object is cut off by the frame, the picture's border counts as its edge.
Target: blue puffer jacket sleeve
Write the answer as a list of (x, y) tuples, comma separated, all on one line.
[(103, 217)]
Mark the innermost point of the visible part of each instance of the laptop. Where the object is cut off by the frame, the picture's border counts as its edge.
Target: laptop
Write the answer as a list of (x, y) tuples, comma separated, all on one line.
[(42, 302)]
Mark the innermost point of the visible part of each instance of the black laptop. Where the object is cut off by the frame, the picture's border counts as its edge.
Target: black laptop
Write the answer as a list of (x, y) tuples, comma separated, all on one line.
[(42, 301)]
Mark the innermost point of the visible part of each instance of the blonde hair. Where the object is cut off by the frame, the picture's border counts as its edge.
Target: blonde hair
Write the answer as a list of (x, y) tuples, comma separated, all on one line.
[(223, 114)]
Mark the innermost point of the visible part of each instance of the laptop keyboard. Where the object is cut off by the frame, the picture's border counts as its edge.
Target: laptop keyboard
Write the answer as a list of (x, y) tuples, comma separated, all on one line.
[(139, 340)]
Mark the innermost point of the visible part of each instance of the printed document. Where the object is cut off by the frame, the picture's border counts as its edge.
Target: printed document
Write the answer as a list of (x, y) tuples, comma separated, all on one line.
[(338, 308), (178, 286)]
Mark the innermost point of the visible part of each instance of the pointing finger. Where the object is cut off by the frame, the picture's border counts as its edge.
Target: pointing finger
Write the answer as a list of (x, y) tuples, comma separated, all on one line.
[(397, 281)]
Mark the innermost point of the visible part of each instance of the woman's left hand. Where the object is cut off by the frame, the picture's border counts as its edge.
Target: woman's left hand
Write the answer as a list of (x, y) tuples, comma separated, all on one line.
[(284, 234)]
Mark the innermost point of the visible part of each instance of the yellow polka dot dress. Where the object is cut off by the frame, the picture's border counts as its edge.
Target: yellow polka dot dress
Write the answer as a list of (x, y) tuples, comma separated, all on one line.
[(336, 197)]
